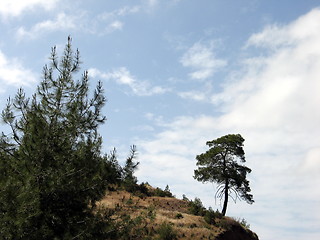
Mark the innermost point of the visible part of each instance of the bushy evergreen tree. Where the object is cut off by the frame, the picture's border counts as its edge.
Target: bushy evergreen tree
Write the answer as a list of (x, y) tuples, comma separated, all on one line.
[(128, 179), (113, 168), (52, 170)]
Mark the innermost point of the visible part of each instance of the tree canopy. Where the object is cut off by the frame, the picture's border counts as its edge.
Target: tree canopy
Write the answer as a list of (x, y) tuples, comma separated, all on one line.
[(220, 165), (52, 170)]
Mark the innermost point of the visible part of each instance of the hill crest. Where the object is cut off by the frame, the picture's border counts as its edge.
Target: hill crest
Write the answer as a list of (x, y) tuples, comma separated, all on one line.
[(169, 215)]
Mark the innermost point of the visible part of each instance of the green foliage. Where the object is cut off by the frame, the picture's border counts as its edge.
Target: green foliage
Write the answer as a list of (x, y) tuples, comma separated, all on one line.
[(193, 225), (168, 191), (112, 168), (196, 207), (159, 192), (210, 216), (162, 193), (135, 227), (219, 164), (52, 171), (224, 224), (242, 222), (184, 198), (143, 189), (166, 232), (129, 181), (151, 212), (178, 216), (129, 201)]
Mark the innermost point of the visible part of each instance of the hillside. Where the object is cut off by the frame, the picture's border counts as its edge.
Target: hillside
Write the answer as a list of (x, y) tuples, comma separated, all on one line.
[(170, 218)]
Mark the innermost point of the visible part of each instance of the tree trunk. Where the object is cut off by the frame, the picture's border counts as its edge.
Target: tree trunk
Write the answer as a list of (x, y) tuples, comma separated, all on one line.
[(226, 196)]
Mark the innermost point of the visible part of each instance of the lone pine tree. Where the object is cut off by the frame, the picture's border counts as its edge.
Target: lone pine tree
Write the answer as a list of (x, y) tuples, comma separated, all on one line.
[(219, 164), (52, 171)]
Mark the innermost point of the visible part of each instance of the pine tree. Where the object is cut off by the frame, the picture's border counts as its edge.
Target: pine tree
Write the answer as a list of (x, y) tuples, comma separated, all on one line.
[(219, 164), (52, 171), (128, 178)]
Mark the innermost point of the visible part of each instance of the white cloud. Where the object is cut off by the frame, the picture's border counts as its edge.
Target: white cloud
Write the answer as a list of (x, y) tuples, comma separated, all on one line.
[(67, 22), (12, 72), (112, 19), (274, 103), (202, 59), (121, 12), (193, 95), (152, 3), (116, 25), (123, 77), (62, 22), (127, 10), (299, 30), (311, 162), (14, 8)]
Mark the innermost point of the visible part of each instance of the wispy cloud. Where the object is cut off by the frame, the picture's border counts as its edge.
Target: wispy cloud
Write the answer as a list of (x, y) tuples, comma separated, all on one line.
[(193, 95), (201, 58), (105, 23), (150, 6), (274, 104), (62, 22), (121, 12), (114, 19), (123, 77), (13, 73), (152, 3), (14, 8), (116, 25), (276, 35)]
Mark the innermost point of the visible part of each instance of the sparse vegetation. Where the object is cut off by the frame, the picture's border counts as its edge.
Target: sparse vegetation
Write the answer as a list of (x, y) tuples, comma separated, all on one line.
[(166, 232), (162, 193), (224, 223), (210, 216), (196, 207), (243, 222)]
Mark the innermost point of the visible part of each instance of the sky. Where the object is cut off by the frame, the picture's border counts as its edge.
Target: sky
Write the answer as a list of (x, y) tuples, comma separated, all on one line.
[(179, 73)]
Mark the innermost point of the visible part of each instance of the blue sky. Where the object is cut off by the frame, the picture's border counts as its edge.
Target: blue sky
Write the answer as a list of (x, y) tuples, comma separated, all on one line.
[(179, 73)]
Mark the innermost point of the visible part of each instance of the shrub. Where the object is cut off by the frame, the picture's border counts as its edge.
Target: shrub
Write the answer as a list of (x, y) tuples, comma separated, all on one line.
[(193, 225), (162, 193), (130, 201), (196, 207), (224, 223), (142, 188), (184, 198), (218, 214), (166, 232), (168, 192), (151, 212), (178, 216), (242, 222), (210, 216)]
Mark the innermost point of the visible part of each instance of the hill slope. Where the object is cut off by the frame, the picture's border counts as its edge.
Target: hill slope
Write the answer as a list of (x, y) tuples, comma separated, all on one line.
[(170, 218)]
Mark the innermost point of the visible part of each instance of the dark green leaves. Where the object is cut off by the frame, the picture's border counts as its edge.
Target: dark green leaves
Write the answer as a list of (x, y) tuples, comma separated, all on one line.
[(52, 171), (219, 164)]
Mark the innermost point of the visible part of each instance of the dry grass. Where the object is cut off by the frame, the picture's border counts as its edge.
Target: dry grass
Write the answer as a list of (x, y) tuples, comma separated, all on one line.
[(165, 210)]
